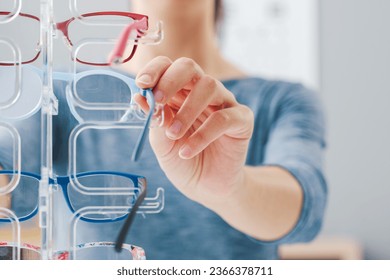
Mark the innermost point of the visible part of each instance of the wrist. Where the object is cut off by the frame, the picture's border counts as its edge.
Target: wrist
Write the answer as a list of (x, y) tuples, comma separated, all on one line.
[(238, 196)]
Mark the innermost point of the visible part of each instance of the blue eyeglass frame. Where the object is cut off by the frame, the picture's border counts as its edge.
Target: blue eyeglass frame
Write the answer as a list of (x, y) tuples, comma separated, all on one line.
[(63, 182), (130, 82), (147, 93)]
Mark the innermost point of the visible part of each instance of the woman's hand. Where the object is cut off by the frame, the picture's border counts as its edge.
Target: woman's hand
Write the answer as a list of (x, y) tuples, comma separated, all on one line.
[(203, 142)]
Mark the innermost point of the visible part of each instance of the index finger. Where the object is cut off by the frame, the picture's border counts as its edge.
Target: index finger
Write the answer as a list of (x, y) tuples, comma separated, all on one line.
[(149, 76)]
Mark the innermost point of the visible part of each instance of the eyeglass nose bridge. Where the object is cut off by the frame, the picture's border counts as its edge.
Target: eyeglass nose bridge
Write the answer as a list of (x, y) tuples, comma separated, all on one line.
[(55, 186), (61, 27), (38, 48)]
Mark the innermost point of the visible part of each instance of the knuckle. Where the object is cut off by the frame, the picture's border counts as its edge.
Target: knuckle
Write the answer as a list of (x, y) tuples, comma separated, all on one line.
[(167, 83), (187, 113), (201, 137), (155, 67), (163, 59), (221, 118), (209, 83), (186, 62), (247, 117), (246, 112)]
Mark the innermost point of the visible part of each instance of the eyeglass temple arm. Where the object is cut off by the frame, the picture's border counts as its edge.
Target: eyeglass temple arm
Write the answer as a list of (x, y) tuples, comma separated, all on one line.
[(120, 46), (141, 140), (129, 220)]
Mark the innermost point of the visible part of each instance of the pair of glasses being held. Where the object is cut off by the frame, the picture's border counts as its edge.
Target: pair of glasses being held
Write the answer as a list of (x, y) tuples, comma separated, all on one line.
[(87, 97)]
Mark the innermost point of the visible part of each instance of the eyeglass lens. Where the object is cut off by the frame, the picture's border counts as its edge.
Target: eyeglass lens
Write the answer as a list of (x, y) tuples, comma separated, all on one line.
[(28, 88), (81, 7), (9, 253), (24, 198), (27, 46), (103, 184), (8, 5), (96, 86), (93, 43), (102, 253)]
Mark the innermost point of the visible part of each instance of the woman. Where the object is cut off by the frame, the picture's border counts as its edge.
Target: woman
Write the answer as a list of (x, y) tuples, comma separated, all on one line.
[(239, 157), (245, 148)]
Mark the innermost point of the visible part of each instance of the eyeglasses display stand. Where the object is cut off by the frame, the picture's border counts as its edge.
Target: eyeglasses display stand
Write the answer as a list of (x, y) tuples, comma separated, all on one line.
[(86, 212)]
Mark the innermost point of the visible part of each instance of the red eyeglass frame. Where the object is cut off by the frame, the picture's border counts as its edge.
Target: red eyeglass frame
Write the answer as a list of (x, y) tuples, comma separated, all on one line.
[(140, 24)]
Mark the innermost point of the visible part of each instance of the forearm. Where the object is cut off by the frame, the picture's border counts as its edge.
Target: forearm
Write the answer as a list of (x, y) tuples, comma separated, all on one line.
[(268, 204)]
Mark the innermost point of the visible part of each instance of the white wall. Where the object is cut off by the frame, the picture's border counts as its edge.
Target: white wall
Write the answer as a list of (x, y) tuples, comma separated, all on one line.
[(355, 36), (273, 38)]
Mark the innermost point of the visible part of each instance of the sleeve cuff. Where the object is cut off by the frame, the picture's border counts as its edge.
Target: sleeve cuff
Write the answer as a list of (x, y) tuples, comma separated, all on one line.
[(313, 205)]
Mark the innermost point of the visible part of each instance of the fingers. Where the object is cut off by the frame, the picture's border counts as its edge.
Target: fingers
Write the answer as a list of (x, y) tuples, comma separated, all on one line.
[(167, 78), (165, 113), (206, 92), (193, 100), (142, 102), (235, 122)]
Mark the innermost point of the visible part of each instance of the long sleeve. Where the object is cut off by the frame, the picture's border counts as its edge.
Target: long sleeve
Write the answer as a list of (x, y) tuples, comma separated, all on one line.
[(296, 143)]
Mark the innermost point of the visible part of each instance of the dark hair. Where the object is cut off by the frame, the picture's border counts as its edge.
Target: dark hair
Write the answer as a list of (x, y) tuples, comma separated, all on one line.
[(218, 11)]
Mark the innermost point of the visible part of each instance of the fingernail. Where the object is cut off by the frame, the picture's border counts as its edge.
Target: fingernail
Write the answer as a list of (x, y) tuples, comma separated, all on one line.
[(185, 152), (159, 96), (145, 79), (174, 129)]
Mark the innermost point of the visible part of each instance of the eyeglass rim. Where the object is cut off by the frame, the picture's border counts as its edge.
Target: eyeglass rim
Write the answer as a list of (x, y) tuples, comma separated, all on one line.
[(63, 27), (129, 247), (21, 246), (63, 182), (73, 78), (59, 255)]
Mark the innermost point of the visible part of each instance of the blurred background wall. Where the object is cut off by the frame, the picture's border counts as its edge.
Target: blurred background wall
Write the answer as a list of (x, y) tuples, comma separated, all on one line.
[(355, 72), (273, 38)]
